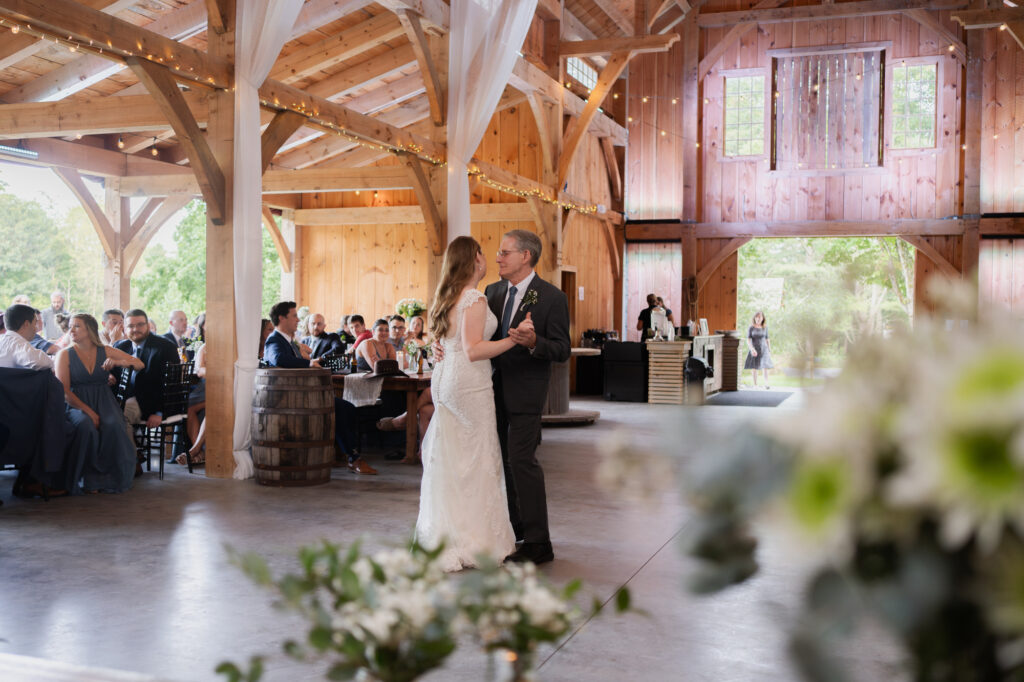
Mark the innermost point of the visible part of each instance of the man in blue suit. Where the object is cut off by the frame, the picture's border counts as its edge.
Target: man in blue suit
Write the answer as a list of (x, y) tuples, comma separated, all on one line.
[(282, 350)]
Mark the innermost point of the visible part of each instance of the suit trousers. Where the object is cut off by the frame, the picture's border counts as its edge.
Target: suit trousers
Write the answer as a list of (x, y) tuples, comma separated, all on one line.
[(519, 435)]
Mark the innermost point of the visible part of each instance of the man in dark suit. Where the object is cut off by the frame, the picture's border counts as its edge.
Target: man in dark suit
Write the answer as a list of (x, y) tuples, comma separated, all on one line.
[(521, 377), (281, 350), (322, 342), (145, 401)]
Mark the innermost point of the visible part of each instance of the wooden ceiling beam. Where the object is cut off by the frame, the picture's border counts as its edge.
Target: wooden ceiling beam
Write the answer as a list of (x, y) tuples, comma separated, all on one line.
[(716, 261), (612, 11), (988, 18), (16, 47), (356, 76), (318, 13), (104, 230), (94, 116), (283, 125), (436, 94), (337, 48), (118, 38), (171, 100), (634, 44), (842, 10), (668, 21), (88, 69), (931, 253), (284, 254), (435, 13), (92, 160), (277, 181), (437, 232), (612, 165), (411, 215)]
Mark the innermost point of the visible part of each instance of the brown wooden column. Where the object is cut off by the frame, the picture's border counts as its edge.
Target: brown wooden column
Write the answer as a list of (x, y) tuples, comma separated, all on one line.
[(117, 275), (437, 177), (220, 271)]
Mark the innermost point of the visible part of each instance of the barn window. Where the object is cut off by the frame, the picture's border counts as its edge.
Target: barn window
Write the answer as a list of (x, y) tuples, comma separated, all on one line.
[(827, 109), (744, 116), (583, 73), (913, 93)]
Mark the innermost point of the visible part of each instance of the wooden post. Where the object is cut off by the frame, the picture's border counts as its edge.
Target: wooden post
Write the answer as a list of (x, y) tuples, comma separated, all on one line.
[(437, 178), (116, 275), (288, 231), (220, 275)]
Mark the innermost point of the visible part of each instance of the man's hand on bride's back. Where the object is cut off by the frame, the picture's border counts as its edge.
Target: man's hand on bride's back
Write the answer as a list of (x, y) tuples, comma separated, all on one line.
[(438, 351)]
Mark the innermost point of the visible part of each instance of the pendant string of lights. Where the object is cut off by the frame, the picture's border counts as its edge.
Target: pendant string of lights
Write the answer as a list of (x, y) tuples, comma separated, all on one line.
[(74, 45)]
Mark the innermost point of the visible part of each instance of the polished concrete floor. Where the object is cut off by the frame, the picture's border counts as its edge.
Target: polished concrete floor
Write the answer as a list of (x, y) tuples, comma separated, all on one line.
[(140, 582)]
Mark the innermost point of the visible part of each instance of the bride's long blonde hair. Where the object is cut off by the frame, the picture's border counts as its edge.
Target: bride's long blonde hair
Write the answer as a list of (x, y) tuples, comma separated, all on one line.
[(456, 272)]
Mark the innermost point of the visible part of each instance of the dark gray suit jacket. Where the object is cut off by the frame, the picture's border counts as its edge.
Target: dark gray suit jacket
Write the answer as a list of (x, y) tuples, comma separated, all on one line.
[(524, 376)]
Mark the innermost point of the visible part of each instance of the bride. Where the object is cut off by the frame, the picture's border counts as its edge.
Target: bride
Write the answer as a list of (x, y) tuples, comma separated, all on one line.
[(463, 502)]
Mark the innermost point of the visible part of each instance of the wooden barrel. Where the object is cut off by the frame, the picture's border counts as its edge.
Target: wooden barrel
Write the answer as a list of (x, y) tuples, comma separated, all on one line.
[(293, 427)]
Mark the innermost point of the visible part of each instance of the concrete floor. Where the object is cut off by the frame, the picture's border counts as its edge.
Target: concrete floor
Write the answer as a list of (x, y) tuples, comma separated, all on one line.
[(139, 582)]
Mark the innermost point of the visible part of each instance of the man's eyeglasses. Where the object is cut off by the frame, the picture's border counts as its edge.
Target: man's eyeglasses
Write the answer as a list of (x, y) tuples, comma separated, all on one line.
[(502, 254)]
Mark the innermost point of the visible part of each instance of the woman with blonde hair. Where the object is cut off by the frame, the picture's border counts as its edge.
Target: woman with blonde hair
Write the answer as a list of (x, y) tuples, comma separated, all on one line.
[(463, 501), (84, 368)]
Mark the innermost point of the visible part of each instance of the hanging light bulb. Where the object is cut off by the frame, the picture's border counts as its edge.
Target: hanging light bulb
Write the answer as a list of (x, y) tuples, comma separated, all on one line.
[(120, 142), (15, 28)]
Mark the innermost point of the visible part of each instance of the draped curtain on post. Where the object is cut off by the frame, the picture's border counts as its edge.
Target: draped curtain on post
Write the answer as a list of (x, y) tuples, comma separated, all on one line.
[(261, 29), (484, 42)]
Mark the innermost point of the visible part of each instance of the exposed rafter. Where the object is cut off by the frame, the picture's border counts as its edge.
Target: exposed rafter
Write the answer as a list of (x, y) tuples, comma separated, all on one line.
[(437, 232), (277, 181), (95, 116), (634, 44), (284, 254), (713, 264), (280, 129), (431, 78), (932, 254), (842, 10)]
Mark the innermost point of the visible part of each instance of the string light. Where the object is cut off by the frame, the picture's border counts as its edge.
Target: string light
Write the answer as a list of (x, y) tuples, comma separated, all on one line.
[(15, 28), (120, 142)]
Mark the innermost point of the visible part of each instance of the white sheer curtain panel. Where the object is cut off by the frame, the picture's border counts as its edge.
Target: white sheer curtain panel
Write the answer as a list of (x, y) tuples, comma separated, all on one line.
[(484, 43), (262, 28)]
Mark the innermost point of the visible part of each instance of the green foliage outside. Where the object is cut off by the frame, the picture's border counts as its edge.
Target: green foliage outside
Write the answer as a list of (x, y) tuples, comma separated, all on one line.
[(168, 281), (42, 253), (821, 296)]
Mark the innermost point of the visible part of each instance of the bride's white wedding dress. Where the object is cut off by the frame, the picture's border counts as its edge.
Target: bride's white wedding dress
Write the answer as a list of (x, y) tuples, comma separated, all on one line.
[(462, 496)]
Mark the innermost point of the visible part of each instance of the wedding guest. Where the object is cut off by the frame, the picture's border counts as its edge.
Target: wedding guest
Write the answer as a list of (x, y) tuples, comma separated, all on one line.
[(320, 341), (51, 330), (113, 327), (3, 329), (357, 327), (145, 397), (417, 331), (38, 341), (152, 327), (178, 326), (55, 473), (343, 333), (63, 322), (281, 350), (396, 332), (84, 368), (424, 411), (21, 299), (195, 426), (377, 348)]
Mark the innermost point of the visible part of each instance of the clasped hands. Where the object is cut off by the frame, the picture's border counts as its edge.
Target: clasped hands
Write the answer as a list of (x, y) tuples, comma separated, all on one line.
[(523, 335)]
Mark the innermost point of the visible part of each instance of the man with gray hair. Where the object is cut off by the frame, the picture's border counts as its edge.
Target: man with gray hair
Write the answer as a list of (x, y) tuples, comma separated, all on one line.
[(52, 330), (521, 377)]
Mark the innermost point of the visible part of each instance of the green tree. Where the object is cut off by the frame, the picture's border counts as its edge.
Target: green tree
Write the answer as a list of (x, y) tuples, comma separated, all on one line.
[(168, 281)]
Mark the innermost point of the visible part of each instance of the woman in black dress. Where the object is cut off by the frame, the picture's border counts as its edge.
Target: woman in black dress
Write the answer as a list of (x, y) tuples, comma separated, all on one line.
[(759, 354)]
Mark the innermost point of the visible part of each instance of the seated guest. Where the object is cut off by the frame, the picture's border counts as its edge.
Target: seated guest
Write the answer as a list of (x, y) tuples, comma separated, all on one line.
[(343, 333), (178, 326), (76, 435), (357, 327), (145, 397), (417, 331), (424, 411), (196, 404), (113, 327), (377, 348), (266, 329), (38, 341), (282, 351), (396, 332), (84, 368), (320, 341)]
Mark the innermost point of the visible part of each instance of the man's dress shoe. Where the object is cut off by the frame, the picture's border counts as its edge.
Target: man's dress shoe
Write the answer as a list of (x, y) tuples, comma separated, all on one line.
[(537, 552)]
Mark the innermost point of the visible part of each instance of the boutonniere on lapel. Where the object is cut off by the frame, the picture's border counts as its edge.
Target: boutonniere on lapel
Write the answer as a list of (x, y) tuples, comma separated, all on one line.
[(529, 299)]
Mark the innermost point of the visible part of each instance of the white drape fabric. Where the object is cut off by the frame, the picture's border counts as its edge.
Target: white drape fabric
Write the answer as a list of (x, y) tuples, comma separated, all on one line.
[(262, 27), (484, 43)]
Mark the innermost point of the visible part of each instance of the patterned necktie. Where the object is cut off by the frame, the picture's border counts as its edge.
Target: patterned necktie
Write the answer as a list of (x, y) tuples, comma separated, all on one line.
[(506, 315)]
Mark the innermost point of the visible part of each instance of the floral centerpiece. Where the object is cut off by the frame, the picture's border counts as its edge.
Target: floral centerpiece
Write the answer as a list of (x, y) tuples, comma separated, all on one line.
[(395, 615), (410, 307), (903, 483), (417, 353)]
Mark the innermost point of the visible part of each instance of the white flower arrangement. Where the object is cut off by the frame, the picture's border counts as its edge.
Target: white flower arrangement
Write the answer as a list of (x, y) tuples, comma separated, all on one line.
[(410, 307)]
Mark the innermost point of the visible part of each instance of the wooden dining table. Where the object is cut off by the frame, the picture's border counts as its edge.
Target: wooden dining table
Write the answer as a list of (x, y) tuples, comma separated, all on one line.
[(412, 385)]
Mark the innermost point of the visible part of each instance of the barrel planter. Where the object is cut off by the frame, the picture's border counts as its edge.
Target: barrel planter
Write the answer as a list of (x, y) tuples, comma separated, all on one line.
[(293, 427)]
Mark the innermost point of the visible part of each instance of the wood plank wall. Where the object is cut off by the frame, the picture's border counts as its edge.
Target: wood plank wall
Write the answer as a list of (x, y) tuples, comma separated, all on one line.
[(926, 273), (1001, 274), (368, 268), (1002, 135)]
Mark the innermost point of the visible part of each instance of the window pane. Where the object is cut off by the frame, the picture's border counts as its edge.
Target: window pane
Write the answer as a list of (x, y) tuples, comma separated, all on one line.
[(744, 116), (913, 106)]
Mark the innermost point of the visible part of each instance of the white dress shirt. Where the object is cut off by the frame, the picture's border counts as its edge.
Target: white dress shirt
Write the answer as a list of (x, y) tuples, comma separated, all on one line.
[(17, 353)]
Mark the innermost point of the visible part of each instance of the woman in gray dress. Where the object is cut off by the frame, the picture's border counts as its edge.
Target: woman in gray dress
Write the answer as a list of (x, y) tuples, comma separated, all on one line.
[(84, 369), (759, 353)]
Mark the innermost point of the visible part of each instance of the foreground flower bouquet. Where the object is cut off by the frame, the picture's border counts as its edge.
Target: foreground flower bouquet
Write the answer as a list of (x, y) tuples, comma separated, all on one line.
[(395, 615), (904, 483)]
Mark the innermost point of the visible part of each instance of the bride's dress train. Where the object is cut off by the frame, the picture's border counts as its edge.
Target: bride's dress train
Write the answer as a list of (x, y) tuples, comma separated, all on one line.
[(462, 496)]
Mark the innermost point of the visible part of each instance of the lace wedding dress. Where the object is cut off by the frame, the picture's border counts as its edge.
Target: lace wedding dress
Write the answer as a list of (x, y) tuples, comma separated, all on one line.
[(463, 502)]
